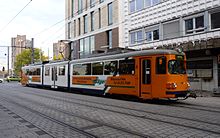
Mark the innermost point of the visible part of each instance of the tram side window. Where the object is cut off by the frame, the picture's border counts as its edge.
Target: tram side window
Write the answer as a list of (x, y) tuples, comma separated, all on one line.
[(62, 71), (31, 72), (111, 67), (127, 66), (76, 69), (26, 72), (97, 68), (82, 69), (87, 69), (161, 65), (47, 71), (34, 72), (37, 71)]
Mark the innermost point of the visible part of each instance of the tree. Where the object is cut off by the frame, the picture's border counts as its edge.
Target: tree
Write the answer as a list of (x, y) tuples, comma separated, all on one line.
[(59, 57), (25, 58)]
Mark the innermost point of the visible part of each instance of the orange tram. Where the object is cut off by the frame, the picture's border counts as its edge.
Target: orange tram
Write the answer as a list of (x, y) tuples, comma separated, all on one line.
[(147, 74)]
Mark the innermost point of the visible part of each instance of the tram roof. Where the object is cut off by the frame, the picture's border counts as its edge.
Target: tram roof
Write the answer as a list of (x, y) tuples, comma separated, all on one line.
[(110, 57), (61, 62), (129, 54), (36, 64)]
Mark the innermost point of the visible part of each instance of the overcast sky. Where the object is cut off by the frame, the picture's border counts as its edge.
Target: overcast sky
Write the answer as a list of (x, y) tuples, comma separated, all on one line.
[(36, 17)]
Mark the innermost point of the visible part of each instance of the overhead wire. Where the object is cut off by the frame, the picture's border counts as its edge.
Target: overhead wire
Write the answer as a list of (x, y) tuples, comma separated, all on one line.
[(72, 15), (15, 16), (60, 21)]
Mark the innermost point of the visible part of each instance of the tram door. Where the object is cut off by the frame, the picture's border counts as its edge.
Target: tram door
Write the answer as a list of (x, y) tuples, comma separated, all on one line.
[(146, 88), (54, 77)]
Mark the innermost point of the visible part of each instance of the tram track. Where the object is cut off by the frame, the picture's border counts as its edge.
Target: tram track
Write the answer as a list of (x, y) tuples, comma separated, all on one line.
[(176, 104), (196, 108), (100, 124), (51, 119), (25, 120), (124, 108), (138, 116)]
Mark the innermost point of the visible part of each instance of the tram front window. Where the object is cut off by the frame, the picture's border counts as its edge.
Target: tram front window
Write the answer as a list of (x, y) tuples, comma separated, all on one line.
[(176, 67)]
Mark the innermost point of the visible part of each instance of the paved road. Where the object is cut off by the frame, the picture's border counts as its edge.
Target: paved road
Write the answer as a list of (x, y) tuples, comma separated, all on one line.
[(31, 112)]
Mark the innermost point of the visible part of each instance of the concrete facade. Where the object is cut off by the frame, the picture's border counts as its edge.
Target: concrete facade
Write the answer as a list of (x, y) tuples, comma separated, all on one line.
[(193, 26), (18, 44), (93, 26), (60, 50)]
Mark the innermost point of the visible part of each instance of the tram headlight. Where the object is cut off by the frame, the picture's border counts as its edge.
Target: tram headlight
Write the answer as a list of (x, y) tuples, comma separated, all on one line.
[(188, 84), (171, 85)]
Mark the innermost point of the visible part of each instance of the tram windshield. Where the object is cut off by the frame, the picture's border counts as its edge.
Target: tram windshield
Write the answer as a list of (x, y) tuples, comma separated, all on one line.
[(176, 67)]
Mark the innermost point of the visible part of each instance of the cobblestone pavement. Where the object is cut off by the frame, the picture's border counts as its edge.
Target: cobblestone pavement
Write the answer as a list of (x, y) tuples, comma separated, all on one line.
[(32, 112)]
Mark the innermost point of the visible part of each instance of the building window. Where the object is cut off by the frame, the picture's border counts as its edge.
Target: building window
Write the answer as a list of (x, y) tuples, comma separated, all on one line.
[(87, 46), (110, 14), (194, 25), (80, 6), (132, 6), (136, 37), (79, 27), (132, 37), (85, 23), (152, 35), (200, 69), (69, 30), (155, 2), (139, 36), (171, 30), (136, 5), (92, 21), (148, 3), (109, 39), (100, 18), (92, 3), (199, 21), (149, 36), (215, 20), (156, 35), (189, 26), (74, 28), (81, 52), (139, 4), (92, 44), (73, 14)]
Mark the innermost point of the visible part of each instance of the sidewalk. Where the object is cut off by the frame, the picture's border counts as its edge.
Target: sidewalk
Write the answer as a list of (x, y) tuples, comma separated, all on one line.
[(203, 93)]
